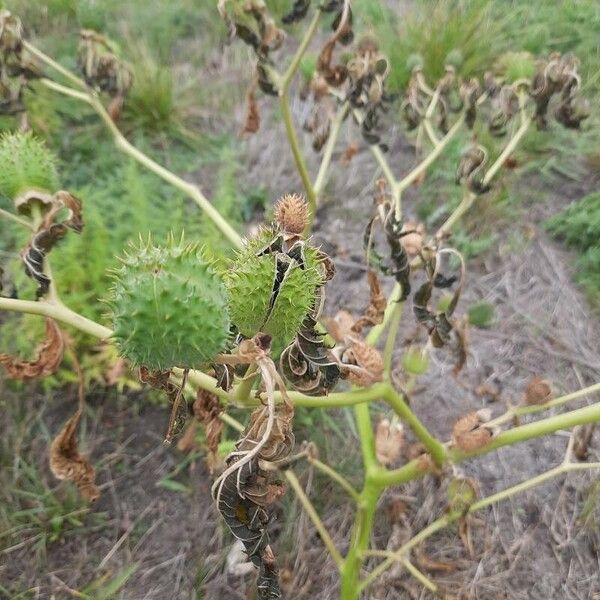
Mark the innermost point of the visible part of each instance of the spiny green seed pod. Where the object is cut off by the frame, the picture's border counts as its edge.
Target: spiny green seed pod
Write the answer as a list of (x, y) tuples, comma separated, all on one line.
[(169, 307), (260, 301), (28, 169)]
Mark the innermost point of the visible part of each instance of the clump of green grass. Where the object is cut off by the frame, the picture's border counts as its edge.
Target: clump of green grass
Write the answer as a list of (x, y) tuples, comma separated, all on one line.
[(35, 510), (435, 31), (578, 228)]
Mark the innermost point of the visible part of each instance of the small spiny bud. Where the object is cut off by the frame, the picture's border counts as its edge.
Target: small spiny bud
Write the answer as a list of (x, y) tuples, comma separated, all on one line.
[(291, 214)]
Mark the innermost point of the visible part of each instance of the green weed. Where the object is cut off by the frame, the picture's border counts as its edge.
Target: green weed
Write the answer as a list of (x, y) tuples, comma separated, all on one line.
[(578, 228)]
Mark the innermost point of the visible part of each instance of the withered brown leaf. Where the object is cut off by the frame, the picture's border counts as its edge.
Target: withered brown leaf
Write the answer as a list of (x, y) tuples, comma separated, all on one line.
[(349, 153), (252, 120), (49, 356), (363, 363), (48, 235), (207, 409), (469, 434), (340, 325), (538, 391), (377, 304), (389, 440), (68, 464)]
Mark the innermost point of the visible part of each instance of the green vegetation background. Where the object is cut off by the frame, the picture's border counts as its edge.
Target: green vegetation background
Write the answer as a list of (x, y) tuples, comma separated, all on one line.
[(171, 117)]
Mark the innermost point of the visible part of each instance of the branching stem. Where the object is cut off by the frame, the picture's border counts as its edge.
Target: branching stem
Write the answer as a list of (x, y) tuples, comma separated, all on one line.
[(447, 519), (336, 124), (91, 98)]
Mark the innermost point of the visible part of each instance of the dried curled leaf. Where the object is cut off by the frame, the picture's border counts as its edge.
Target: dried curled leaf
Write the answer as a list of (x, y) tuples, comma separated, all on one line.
[(297, 13), (377, 304), (252, 121), (15, 70), (412, 234), (538, 391), (361, 363), (308, 364), (469, 433), (48, 359), (399, 264), (68, 464), (340, 325), (471, 169), (470, 91), (505, 105), (207, 410), (48, 235), (101, 67), (249, 483), (389, 440), (439, 324)]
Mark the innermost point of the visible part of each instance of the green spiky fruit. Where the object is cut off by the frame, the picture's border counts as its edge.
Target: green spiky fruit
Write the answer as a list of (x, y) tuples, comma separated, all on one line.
[(27, 165), (250, 283), (169, 307)]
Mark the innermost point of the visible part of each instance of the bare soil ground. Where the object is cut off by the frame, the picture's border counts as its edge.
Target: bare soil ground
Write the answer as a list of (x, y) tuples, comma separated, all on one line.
[(535, 546)]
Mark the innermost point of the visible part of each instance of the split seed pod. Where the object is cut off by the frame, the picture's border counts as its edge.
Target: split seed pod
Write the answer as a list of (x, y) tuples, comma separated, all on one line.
[(272, 287), (469, 432)]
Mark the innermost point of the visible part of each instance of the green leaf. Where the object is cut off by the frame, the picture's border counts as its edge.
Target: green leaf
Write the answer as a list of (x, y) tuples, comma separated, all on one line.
[(174, 486), (481, 314), (101, 591)]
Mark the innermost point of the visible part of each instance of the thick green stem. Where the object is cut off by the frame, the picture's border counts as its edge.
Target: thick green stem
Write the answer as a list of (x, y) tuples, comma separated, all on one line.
[(297, 58), (365, 515), (390, 342), (416, 468), (376, 331), (329, 147), (580, 416), (432, 156), (469, 196), (242, 391), (56, 311), (434, 447), (284, 103), (298, 158), (521, 411), (361, 536)]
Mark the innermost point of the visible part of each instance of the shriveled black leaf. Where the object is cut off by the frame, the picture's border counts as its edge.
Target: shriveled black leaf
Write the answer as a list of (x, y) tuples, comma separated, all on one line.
[(48, 235), (298, 12)]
